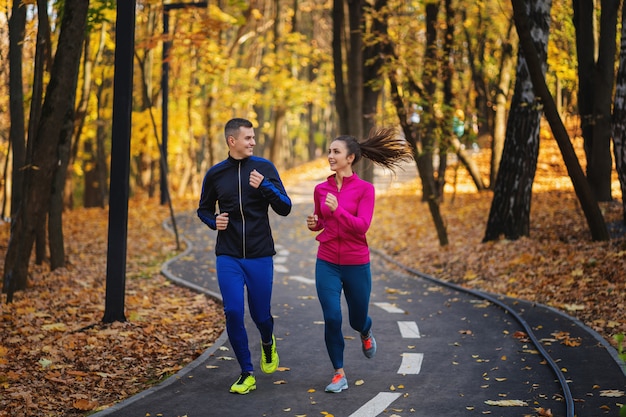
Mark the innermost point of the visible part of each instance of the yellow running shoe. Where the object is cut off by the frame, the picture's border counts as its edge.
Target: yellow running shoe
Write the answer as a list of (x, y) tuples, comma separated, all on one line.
[(245, 384), (269, 357)]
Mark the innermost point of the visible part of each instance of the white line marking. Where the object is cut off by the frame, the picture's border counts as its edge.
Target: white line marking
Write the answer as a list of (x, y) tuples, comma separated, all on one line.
[(376, 405), (281, 268), (409, 330), (389, 308), (411, 363), (280, 259), (308, 281)]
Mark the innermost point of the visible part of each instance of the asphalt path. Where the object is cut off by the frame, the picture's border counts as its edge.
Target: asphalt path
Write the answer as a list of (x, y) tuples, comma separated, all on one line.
[(441, 350)]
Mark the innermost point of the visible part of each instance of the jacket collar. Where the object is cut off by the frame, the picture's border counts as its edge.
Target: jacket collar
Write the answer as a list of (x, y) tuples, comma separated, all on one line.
[(346, 180), (236, 161)]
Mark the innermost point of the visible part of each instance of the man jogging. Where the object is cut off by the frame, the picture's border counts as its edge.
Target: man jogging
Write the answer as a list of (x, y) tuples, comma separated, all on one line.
[(236, 196)]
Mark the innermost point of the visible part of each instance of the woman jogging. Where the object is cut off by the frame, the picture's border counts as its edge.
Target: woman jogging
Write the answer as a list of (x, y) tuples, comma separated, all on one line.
[(344, 206)]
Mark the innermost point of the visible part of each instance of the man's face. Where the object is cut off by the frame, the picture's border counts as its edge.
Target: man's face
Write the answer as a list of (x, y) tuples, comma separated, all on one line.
[(242, 145)]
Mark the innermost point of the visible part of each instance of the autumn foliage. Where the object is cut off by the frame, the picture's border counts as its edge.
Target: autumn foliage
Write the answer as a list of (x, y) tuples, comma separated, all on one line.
[(58, 359)]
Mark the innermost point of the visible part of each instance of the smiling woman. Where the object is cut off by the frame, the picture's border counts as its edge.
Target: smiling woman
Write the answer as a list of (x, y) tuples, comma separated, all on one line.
[(343, 210)]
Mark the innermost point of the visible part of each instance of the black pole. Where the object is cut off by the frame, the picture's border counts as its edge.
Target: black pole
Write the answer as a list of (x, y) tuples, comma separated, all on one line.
[(165, 68), (120, 162)]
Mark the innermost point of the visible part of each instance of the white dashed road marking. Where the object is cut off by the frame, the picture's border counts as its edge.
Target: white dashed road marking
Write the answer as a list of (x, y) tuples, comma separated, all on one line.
[(411, 363), (376, 405), (409, 330), (389, 308), (304, 280)]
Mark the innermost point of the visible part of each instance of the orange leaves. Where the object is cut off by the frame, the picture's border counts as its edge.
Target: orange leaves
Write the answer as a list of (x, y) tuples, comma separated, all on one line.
[(84, 404), (565, 339)]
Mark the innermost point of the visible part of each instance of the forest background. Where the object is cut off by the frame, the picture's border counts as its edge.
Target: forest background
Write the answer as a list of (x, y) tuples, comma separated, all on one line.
[(476, 101)]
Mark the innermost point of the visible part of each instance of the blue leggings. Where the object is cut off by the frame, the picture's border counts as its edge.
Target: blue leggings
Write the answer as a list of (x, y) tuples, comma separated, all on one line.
[(257, 275), (356, 283)]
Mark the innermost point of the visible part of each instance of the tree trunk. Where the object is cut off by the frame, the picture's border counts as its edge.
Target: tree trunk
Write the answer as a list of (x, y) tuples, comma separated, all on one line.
[(424, 151), (499, 124), (583, 191), (55, 215), (42, 60), (350, 100), (17, 23), (276, 145), (476, 58), (372, 65), (599, 163), (595, 80), (468, 163), (619, 117), (57, 112), (355, 69), (93, 193), (341, 104), (510, 208)]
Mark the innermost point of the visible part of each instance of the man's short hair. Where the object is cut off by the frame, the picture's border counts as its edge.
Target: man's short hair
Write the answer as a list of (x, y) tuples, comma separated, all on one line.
[(233, 125)]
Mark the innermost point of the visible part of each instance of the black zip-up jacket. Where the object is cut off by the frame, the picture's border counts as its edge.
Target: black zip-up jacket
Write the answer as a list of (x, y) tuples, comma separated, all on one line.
[(248, 234)]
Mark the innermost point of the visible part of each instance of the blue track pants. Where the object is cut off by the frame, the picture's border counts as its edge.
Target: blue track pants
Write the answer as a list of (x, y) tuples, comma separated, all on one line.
[(356, 283), (257, 275)]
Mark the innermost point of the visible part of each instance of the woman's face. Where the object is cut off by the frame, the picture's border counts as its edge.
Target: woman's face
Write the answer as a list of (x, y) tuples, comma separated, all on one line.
[(338, 157)]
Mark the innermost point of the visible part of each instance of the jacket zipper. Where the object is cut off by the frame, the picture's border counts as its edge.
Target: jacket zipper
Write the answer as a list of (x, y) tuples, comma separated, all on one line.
[(243, 218), (338, 233)]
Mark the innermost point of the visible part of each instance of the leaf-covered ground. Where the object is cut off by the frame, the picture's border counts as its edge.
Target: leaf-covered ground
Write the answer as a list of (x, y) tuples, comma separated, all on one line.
[(58, 359)]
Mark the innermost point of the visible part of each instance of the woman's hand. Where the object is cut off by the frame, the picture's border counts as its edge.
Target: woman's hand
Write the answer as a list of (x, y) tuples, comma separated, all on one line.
[(331, 202), (311, 221)]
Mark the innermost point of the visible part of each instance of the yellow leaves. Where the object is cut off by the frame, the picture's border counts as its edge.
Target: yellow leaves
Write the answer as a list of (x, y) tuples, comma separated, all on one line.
[(611, 393), (574, 307), (470, 275), (3, 355), (577, 272), (218, 14), (55, 327)]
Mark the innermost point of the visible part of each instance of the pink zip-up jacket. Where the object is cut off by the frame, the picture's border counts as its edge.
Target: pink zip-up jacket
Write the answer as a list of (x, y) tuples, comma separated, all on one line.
[(342, 240)]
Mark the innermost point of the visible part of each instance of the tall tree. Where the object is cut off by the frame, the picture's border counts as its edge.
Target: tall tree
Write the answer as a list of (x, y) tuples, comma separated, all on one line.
[(57, 116), (619, 117), (348, 42), (507, 63), (375, 30), (510, 208), (596, 59), (17, 132)]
